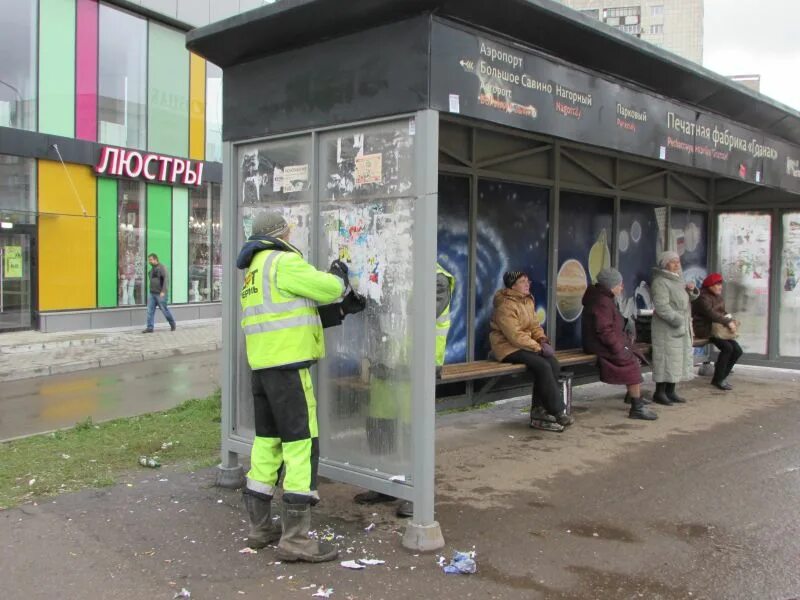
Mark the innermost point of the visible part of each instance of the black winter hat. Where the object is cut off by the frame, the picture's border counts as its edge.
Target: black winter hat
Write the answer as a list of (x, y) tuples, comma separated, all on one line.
[(510, 277)]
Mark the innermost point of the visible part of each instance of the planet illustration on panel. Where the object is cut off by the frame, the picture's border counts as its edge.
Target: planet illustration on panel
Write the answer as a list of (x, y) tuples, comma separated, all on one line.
[(624, 241), (599, 256), (571, 284), (636, 232)]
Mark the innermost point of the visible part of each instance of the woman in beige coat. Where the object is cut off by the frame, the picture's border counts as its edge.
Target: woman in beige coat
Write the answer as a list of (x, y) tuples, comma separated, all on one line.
[(517, 337), (671, 328)]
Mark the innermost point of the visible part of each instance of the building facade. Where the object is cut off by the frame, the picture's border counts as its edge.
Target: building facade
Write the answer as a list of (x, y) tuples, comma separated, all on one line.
[(675, 25), (110, 149)]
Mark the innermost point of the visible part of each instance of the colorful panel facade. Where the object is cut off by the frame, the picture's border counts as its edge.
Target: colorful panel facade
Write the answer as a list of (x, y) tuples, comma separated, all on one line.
[(159, 226), (107, 234), (57, 67), (86, 70), (168, 91), (67, 237), (197, 108)]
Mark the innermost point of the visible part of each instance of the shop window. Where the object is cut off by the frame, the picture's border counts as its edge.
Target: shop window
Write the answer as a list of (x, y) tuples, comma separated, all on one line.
[(513, 233), (18, 40), (789, 343), (213, 113), (131, 253), (216, 244), (199, 245), (17, 190), (744, 259), (584, 248), (122, 79)]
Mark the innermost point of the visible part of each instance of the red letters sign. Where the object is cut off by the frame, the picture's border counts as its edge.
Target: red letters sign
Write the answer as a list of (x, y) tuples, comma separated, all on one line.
[(153, 167)]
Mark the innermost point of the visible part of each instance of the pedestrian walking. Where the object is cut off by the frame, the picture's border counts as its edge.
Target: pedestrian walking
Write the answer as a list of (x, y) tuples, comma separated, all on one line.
[(671, 328), (283, 337), (159, 284)]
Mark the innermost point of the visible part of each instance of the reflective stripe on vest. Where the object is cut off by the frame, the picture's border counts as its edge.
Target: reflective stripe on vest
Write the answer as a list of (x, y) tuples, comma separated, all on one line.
[(443, 320), (279, 329)]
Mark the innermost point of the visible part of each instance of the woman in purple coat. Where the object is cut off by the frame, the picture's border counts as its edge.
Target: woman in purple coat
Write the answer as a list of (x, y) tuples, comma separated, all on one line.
[(604, 336)]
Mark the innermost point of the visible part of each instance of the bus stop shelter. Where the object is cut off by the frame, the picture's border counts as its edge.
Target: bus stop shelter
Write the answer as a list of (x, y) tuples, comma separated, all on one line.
[(487, 136)]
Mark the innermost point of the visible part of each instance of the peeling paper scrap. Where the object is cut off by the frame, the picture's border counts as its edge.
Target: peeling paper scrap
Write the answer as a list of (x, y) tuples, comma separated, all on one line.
[(398, 478)]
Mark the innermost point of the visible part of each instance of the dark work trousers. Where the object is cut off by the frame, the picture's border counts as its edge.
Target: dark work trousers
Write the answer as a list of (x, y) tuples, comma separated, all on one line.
[(545, 379), (729, 352), (286, 435)]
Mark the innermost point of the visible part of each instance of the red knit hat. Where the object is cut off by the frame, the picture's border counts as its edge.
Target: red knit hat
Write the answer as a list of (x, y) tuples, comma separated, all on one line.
[(712, 279)]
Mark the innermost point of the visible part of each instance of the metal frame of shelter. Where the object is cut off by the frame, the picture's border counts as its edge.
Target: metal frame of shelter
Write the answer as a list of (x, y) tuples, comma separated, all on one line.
[(423, 532), (331, 64)]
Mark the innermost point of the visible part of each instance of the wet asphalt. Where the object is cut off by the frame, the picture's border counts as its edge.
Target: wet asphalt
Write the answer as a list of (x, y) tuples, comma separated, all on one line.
[(702, 504), (44, 404)]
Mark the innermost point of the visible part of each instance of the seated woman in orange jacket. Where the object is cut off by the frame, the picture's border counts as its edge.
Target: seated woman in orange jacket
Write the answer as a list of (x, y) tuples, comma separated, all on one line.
[(517, 337)]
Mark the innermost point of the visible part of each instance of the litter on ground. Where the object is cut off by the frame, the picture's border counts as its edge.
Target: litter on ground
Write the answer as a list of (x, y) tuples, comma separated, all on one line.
[(323, 593), (462, 563), (184, 593), (351, 564), (248, 551)]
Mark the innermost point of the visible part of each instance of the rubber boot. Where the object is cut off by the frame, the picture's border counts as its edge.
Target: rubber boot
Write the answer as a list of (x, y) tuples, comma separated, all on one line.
[(640, 411), (263, 531), (660, 396), (295, 545), (672, 395)]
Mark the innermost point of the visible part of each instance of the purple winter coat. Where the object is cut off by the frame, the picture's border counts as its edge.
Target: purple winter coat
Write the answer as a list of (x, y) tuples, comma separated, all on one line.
[(604, 336)]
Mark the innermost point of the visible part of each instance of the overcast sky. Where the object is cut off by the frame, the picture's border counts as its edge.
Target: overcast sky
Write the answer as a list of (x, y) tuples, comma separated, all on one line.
[(761, 37)]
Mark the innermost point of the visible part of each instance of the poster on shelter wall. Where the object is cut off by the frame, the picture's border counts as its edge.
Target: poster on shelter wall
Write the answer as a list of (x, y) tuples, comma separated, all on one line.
[(12, 262)]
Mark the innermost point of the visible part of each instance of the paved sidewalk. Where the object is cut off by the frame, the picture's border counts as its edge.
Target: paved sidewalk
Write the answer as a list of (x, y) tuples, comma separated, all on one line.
[(699, 505), (29, 354)]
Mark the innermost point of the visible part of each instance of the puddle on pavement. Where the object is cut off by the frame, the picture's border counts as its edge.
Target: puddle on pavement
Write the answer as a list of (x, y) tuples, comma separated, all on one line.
[(687, 531), (517, 582), (601, 532)]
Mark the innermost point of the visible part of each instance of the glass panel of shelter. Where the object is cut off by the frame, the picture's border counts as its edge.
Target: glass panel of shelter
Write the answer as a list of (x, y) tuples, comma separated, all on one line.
[(271, 175), (743, 243), (367, 208)]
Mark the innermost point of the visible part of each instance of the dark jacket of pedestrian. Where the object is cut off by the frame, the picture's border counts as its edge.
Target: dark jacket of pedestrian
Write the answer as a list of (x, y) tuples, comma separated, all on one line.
[(514, 325), (707, 309), (158, 279), (603, 334)]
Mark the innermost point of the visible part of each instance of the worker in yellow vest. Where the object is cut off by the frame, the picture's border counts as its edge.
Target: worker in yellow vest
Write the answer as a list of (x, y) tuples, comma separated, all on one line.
[(390, 396), (283, 326)]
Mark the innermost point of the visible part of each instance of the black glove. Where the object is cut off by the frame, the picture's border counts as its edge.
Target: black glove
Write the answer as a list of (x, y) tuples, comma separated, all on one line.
[(340, 269), (353, 303)]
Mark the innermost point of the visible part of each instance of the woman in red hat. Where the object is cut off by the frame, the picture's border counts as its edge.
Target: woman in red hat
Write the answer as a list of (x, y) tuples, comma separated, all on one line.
[(710, 308)]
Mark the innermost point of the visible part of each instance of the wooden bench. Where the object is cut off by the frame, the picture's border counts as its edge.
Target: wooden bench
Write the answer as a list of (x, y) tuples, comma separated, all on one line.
[(493, 370)]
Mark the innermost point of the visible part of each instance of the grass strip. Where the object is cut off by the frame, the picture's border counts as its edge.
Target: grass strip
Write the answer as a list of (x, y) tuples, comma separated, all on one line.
[(95, 455)]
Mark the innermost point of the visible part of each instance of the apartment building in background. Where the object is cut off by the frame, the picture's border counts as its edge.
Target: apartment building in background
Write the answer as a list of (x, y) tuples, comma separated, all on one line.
[(675, 25)]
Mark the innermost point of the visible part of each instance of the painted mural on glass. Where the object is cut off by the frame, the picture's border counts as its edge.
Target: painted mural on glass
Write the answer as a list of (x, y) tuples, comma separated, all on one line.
[(585, 229), (453, 254), (513, 233), (642, 229)]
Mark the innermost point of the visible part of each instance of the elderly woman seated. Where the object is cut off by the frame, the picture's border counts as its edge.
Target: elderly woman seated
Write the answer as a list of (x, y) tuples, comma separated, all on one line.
[(604, 336), (517, 337)]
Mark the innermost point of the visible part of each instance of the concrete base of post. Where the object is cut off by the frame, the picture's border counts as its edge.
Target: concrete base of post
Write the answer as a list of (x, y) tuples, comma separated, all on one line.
[(423, 538), (231, 478)]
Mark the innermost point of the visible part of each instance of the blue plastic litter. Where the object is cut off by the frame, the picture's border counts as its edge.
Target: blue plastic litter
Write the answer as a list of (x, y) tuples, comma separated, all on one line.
[(463, 563)]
